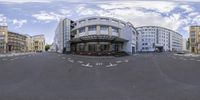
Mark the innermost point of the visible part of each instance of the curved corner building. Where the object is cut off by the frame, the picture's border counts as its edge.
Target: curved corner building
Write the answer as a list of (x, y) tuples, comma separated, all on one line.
[(151, 38), (95, 34)]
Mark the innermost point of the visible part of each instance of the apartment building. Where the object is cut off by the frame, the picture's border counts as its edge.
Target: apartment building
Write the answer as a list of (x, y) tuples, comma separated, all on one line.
[(194, 39), (16, 42), (3, 38), (155, 38), (37, 43)]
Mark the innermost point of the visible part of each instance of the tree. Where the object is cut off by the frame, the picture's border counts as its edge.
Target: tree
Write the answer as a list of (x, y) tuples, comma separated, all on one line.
[(47, 47)]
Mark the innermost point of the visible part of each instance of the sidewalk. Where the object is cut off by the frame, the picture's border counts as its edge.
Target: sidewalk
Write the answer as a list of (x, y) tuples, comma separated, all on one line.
[(15, 54), (188, 55)]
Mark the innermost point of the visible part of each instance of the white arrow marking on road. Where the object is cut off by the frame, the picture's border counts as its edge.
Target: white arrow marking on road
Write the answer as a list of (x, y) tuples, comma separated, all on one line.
[(87, 65), (110, 65), (72, 61)]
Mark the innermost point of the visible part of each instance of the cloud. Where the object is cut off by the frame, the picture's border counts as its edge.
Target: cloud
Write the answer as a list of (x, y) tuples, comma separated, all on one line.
[(160, 6), (51, 16), (3, 20), (81, 9), (24, 1), (19, 23), (47, 16), (187, 8)]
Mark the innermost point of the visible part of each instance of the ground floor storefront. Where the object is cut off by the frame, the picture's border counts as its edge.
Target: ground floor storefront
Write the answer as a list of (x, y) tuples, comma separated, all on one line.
[(96, 48)]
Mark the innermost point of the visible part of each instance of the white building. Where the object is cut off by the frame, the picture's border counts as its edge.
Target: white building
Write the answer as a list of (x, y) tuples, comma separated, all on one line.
[(152, 38), (184, 44), (95, 34)]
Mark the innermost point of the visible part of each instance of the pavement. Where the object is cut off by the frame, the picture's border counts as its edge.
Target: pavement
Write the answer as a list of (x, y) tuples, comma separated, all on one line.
[(52, 76), (15, 54)]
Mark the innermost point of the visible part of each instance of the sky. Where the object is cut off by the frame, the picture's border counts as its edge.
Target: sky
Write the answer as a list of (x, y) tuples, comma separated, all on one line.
[(42, 16)]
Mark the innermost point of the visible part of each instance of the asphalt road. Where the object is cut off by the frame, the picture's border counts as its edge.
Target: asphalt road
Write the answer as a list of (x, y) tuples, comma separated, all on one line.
[(52, 76)]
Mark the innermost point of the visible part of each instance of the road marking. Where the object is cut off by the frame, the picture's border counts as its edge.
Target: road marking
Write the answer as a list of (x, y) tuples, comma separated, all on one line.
[(99, 64), (111, 65), (14, 58), (191, 59), (197, 60), (4, 59), (174, 57), (63, 58), (72, 61), (126, 60), (118, 61), (184, 59), (80, 62), (87, 65), (23, 57)]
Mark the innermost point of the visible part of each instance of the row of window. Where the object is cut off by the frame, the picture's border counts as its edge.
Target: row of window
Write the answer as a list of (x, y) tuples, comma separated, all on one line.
[(102, 28), (102, 19)]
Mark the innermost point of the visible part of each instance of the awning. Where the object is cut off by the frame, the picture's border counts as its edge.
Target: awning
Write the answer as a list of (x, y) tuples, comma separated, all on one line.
[(98, 38)]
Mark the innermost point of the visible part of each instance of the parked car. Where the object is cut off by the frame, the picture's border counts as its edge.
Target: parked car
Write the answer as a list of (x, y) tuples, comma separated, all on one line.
[(181, 52)]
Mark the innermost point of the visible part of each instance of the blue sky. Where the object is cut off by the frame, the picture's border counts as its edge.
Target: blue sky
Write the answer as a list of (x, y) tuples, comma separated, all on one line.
[(42, 16)]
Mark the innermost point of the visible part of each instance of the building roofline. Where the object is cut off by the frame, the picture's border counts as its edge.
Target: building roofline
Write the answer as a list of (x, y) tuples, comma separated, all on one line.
[(160, 27), (17, 33), (101, 17)]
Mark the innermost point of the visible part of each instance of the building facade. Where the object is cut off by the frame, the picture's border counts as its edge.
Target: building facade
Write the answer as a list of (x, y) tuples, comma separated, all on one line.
[(95, 34), (194, 39), (3, 39), (16, 42), (154, 38), (12, 42), (37, 43)]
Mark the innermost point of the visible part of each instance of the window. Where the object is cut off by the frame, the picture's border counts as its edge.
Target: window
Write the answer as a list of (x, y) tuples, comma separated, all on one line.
[(82, 21), (104, 19), (92, 28), (116, 30), (104, 28), (81, 30), (114, 21), (92, 19)]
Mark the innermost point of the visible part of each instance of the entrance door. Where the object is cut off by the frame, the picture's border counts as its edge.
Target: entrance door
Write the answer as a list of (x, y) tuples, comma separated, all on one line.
[(9, 47), (133, 50), (92, 47)]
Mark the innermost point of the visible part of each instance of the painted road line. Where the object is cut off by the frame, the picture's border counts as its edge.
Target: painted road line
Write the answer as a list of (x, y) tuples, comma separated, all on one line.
[(191, 59), (99, 64), (111, 65), (184, 59), (80, 62), (72, 61), (14, 58), (197, 60), (4, 59), (174, 57), (63, 58), (126, 60), (118, 61), (87, 65)]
